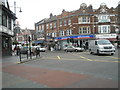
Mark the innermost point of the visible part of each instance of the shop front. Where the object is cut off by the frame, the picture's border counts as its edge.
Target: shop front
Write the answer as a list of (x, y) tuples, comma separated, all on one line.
[(6, 44), (78, 40)]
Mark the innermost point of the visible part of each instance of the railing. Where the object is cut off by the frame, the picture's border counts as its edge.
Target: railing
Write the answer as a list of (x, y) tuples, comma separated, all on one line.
[(26, 55)]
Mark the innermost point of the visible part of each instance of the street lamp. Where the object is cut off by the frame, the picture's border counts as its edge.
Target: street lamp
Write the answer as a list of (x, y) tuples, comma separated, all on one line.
[(117, 37), (29, 39), (16, 26), (16, 7)]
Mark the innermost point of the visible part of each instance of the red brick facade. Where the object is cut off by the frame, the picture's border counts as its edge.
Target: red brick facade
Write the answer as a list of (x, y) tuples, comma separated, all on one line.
[(84, 21)]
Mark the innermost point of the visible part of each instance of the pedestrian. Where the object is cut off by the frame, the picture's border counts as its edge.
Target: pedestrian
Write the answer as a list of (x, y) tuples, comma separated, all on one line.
[(17, 50), (84, 46)]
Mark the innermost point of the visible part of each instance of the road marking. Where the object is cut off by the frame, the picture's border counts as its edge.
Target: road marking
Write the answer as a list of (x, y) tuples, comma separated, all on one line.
[(89, 59), (58, 57), (86, 58), (113, 57), (82, 57), (18, 62)]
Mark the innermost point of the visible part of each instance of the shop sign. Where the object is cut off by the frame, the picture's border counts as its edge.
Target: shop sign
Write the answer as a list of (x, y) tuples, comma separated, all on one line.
[(106, 36), (75, 37)]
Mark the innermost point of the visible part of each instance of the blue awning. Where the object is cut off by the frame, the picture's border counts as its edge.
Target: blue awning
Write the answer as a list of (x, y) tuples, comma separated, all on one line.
[(39, 42)]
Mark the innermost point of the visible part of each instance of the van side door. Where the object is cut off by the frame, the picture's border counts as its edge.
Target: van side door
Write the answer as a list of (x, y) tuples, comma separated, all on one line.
[(96, 46)]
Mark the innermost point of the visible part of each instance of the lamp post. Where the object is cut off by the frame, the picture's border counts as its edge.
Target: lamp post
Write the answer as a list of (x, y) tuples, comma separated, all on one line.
[(117, 37), (16, 7), (16, 26), (29, 39)]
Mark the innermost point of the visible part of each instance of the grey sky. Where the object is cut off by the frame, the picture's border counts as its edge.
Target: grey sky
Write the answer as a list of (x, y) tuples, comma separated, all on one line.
[(36, 10)]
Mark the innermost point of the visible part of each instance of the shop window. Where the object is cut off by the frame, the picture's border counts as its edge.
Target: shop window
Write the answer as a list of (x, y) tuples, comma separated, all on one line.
[(6, 43), (9, 23), (4, 19)]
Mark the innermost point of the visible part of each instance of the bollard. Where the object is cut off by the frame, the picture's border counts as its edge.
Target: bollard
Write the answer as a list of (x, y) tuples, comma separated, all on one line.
[(20, 56)]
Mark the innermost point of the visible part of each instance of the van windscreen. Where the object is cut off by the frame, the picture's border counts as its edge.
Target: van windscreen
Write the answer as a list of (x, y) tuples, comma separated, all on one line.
[(104, 42)]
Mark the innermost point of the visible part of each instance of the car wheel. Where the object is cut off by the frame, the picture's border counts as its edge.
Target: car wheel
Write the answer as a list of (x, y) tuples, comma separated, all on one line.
[(66, 50), (76, 50)]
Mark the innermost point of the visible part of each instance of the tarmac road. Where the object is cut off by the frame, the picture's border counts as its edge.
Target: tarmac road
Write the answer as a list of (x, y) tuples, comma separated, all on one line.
[(62, 70)]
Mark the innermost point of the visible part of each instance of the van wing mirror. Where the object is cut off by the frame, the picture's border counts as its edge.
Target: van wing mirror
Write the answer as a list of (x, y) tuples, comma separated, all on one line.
[(96, 43)]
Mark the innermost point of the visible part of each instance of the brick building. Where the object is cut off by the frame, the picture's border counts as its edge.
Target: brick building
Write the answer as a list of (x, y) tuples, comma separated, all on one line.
[(7, 21), (80, 26), (22, 36)]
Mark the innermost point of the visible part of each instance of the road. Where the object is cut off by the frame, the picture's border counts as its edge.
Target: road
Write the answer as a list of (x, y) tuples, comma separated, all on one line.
[(59, 69)]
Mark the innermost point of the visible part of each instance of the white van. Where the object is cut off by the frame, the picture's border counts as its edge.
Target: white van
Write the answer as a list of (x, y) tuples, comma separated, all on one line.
[(101, 46)]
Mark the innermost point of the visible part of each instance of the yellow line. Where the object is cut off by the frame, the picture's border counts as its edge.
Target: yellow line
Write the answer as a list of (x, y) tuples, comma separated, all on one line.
[(113, 57), (82, 57), (89, 59), (58, 57), (18, 62), (86, 58)]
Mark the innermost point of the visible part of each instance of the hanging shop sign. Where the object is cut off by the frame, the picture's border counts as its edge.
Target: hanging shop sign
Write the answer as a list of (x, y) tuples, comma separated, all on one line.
[(106, 36)]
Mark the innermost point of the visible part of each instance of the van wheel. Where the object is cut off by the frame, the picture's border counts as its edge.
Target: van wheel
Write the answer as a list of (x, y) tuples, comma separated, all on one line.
[(91, 52), (98, 52), (112, 54)]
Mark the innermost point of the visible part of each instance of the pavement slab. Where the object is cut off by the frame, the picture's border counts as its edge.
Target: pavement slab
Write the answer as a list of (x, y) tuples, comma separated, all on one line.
[(47, 78), (50, 78)]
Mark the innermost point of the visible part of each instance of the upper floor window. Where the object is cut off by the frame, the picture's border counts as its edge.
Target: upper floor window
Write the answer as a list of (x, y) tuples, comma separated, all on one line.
[(37, 27), (42, 27), (61, 33), (54, 24), (54, 34), (84, 19), (9, 23), (4, 19), (69, 32), (0, 19), (60, 22), (50, 25), (84, 30), (104, 18), (69, 22), (47, 25), (65, 22), (104, 29)]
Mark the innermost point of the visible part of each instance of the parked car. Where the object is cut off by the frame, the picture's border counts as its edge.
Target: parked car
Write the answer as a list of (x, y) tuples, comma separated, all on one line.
[(72, 48), (42, 49)]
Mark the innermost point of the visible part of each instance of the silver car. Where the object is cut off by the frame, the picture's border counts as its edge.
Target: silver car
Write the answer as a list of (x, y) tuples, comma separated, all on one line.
[(72, 48)]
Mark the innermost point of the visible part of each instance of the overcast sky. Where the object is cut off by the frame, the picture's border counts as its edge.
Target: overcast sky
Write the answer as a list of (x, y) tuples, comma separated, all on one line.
[(36, 10)]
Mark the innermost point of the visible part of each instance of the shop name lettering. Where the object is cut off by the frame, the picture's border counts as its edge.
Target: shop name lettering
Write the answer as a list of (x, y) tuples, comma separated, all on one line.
[(75, 37)]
